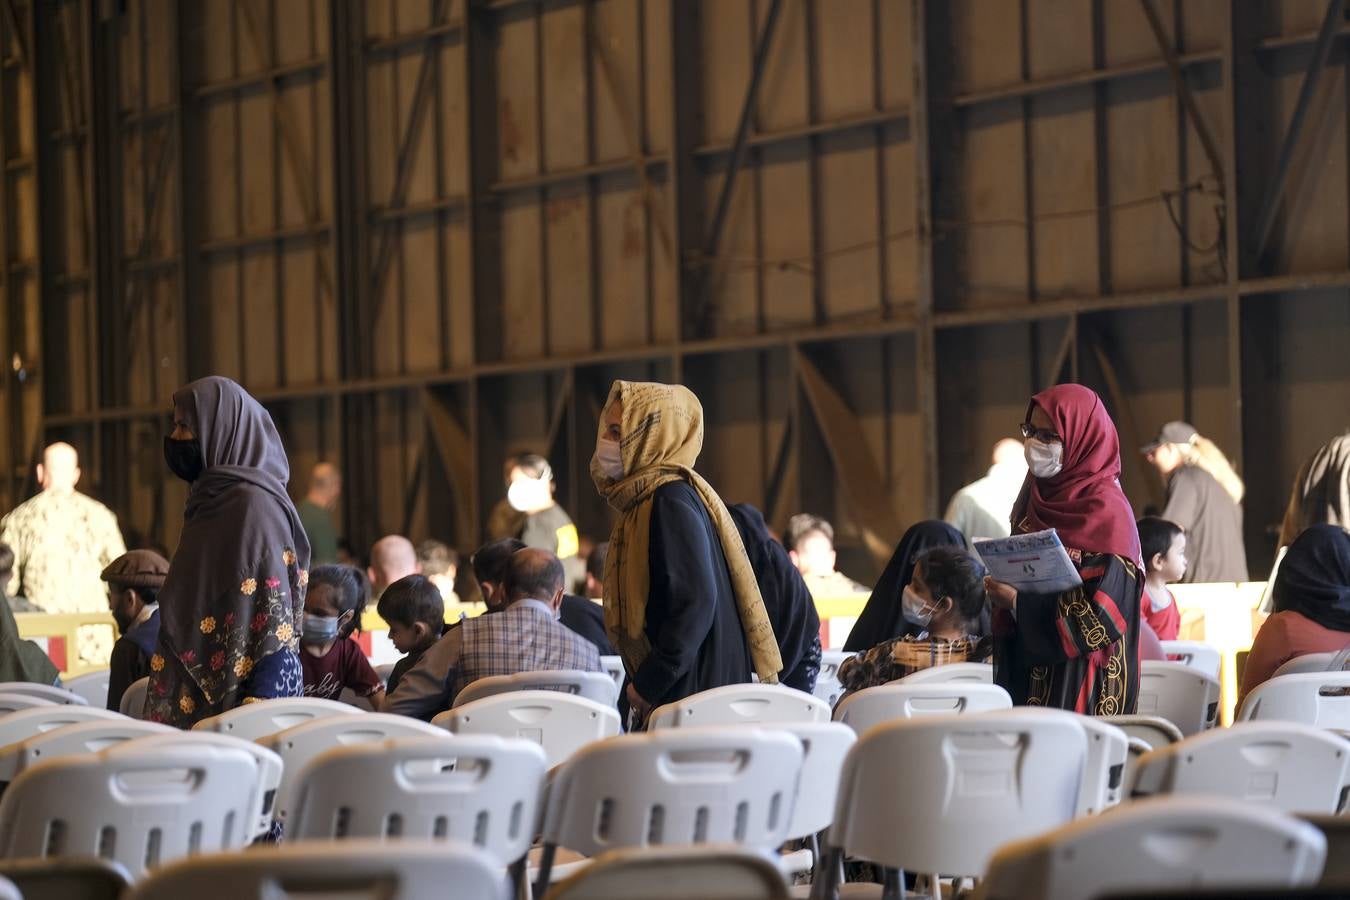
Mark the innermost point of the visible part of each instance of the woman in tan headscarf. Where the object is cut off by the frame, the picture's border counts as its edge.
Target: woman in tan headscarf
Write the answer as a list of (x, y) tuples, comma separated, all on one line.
[(681, 601)]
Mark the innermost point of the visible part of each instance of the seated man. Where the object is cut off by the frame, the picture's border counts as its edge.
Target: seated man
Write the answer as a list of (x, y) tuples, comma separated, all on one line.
[(585, 617), (526, 636), (810, 545), (134, 580), (440, 563), (944, 598)]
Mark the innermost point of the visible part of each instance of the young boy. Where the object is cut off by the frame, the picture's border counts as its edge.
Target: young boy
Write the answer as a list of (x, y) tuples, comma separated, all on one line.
[(944, 597), (414, 608), (330, 658), (1164, 546)]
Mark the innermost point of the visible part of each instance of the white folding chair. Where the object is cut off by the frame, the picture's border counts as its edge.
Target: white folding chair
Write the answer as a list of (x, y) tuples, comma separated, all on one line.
[(300, 744), (1309, 662), (22, 724), (1196, 654), (828, 687), (825, 746), (261, 788), (961, 672), (560, 723), (888, 702), (967, 785), (67, 879), (741, 704), (1161, 844), (13, 702), (88, 736), (1320, 699), (613, 667), (1284, 765), (92, 686), (678, 786), (139, 809), (133, 698), (480, 789), (1336, 829), (45, 691), (1184, 696), (254, 720), (1152, 730), (1108, 752), (676, 873), (597, 686), (379, 870)]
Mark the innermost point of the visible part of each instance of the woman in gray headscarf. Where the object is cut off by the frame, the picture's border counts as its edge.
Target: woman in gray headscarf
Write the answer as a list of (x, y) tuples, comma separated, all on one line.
[(232, 603), (1321, 493)]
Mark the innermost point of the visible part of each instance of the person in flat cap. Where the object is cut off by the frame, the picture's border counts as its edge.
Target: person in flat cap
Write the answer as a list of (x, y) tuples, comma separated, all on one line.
[(134, 580)]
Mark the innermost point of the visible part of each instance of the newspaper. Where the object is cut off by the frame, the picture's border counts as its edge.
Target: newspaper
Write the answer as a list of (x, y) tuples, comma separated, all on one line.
[(1036, 563)]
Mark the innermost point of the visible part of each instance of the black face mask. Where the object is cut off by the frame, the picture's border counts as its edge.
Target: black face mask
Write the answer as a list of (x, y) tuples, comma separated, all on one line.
[(184, 458)]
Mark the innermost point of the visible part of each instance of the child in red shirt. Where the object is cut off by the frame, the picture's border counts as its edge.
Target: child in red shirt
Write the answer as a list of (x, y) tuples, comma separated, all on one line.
[(331, 659), (1164, 546)]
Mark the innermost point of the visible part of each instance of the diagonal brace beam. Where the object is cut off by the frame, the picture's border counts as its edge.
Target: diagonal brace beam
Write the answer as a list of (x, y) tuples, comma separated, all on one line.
[(1184, 90)]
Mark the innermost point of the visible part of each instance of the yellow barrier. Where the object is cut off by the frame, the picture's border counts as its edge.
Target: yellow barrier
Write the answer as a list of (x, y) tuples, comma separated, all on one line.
[(67, 627)]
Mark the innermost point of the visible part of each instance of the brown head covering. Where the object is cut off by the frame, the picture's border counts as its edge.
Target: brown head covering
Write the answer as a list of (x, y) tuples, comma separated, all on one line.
[(137, 568), (661, 436)]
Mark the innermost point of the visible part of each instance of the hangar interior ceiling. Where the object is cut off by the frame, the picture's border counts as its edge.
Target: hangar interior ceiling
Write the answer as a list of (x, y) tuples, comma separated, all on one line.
[(429, 233)]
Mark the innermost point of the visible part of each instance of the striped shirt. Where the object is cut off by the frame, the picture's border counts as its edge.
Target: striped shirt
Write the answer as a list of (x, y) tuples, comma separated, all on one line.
[(894, 659)]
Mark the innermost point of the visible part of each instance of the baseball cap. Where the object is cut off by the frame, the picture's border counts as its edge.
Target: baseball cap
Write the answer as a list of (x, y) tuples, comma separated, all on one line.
[(1171, 433)]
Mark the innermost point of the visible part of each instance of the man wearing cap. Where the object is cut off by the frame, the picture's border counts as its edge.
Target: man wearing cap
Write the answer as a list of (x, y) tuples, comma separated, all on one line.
[(1204, 497), (134, 580)]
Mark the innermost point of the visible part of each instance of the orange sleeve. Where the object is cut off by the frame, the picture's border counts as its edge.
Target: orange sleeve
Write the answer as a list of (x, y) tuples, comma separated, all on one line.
[(1270, 650)]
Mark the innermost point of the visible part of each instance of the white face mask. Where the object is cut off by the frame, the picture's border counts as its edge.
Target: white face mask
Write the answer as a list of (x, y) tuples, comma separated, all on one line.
[(609, 458), (527, 494), (1044, 459), (915, 609)]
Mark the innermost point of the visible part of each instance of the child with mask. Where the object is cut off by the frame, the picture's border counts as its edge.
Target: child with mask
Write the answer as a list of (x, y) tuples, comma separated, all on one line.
[(944, 599), (331, 659)]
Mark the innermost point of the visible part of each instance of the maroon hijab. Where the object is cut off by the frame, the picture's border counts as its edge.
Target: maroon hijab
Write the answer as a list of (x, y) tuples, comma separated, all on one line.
[(1084, 502)]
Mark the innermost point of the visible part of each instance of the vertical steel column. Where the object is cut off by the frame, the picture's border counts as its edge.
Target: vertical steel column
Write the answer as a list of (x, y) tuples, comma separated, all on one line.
[(686, 178), (194, 317)]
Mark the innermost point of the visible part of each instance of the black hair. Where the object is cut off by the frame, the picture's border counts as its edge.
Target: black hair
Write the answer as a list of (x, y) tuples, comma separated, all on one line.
[(410, 600), (531, 464), (802, 526), (952, 572), (351, 591), (595, 562), (489, 560), (1156, 535), (539, 575), (436, 557)]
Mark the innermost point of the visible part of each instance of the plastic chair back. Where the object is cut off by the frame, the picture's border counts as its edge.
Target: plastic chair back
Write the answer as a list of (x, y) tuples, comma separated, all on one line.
[(1336, 829), (22, 724), (596, 686), (1309, 662), (1283, 765), (968, 785), (1161, 844), (1152, 730), (828, 687), (560, 723), (355, 869), (88, 736), (961, 672), (92, 686), (261, 789), (1108, 751), (480, 789), (13, 702), (676, 873), (741, 704), (45, 691), (825, 745), (1196, 654), (613, 667), (1320, 699), (889, 702), (133, 698), (299, 745), (139, 809), (254, 720), (1184, 696), (67, 879)]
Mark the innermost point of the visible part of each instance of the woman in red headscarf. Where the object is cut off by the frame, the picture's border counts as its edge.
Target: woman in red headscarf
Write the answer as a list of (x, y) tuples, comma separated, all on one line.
[(1076, 650)]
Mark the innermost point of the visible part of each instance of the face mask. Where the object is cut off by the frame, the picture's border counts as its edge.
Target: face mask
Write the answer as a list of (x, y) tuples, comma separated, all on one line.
[(184, 458), (609, 458), (527, 494), (916, 611), (319, 629), (1045, 460)]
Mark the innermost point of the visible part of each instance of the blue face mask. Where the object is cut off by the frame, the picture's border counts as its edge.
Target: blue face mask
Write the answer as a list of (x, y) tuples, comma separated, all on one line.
[(319, 629)]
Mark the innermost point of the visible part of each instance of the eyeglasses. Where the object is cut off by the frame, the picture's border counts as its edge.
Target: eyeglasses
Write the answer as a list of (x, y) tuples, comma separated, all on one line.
[(1030, 431)]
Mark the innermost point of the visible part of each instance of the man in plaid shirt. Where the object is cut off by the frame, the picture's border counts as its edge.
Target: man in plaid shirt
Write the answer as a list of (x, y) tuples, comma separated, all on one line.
[(524, 637)]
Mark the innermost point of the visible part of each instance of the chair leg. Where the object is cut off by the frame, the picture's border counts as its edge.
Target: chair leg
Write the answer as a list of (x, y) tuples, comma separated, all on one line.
[(892, 884), (518, 870), (545, 870), (816, 868), (826, 886)]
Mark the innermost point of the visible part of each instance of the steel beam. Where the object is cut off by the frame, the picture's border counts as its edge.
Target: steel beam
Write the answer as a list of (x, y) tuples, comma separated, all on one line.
[(687, 186), (1331, 25), (713, 241), (1183, 88)]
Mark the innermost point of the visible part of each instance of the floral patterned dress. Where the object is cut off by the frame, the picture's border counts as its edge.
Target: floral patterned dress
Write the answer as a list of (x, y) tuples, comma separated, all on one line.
[(246, 651)]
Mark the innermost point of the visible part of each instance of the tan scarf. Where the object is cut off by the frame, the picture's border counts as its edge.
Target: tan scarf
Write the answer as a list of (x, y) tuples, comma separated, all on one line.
[(662, 434)]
